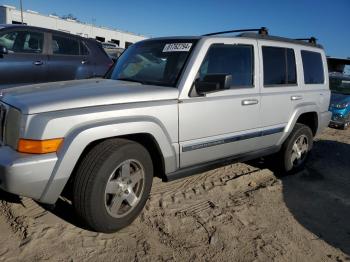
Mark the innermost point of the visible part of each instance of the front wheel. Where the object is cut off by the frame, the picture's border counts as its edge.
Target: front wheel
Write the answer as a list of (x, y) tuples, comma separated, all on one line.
[(112, 184), (296, 148), (345, 125)]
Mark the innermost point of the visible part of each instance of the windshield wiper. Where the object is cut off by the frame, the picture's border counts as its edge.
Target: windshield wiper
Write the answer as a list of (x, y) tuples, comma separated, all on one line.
[(131, 80)]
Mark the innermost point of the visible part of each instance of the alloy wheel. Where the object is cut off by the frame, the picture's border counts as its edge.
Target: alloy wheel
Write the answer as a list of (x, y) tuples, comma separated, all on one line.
[(299, 151), (124, 188)]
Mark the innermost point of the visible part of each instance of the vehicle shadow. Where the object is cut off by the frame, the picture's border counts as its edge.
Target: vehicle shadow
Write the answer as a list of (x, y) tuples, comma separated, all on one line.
[(64, 210), (319, 196), (10, 198)]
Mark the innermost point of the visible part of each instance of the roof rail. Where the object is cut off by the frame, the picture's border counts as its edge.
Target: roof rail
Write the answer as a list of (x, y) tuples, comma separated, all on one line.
[(261, 31), (311, 40)]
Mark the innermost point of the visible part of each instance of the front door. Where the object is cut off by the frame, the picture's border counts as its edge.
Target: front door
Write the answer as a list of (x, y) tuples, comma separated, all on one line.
[(225, 122), (25, 61)]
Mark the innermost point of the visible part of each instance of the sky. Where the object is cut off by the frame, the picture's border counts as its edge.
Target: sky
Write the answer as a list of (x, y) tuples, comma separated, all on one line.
[(327, 20)]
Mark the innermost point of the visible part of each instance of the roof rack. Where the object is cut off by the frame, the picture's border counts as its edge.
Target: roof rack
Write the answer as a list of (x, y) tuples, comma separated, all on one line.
[(261, 31), (311, 40)]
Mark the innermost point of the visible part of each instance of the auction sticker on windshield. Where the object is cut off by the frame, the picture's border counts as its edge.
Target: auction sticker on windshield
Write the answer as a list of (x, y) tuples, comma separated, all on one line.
[(177, 47)]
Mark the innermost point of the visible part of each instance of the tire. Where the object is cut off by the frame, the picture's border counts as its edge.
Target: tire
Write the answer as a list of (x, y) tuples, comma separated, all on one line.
[(112, 185), (288, 151), (345, 126)]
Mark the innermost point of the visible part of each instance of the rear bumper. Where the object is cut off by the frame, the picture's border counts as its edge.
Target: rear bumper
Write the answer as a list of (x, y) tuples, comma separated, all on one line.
[(24, 174), (323, 121)]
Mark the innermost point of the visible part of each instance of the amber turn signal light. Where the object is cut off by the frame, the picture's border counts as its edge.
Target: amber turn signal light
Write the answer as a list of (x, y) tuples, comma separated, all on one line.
[(39, 146)]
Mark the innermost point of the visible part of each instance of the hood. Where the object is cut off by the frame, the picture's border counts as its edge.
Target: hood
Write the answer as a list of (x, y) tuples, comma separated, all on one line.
[(82, 93), (337, 98)]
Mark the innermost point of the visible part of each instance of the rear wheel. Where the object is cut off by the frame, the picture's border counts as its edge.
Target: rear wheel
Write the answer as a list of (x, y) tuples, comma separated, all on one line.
[(112, 184), (296, 148)]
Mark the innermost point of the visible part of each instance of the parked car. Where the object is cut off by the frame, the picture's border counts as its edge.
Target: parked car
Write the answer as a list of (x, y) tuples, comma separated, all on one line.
[(107, 45), (340, 100), (114, 52), (171, 107), (34, 55)]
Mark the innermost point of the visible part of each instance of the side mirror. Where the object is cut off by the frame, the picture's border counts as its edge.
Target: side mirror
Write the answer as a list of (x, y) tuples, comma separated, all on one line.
[(213, 83), (3, 50)]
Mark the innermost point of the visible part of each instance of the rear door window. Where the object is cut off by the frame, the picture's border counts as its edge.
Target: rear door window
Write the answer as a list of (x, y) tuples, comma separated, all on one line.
[(313, 67), (279, 66), (23, 41), (62, 45), (83, 49)]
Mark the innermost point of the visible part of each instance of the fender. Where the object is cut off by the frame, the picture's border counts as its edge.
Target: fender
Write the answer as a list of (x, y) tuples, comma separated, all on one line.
[(302, 108), (77, 140)]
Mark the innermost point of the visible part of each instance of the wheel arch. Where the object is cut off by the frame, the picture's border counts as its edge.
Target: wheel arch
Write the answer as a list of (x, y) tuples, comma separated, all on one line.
[(307, 114), (79, 141), (309, 119)]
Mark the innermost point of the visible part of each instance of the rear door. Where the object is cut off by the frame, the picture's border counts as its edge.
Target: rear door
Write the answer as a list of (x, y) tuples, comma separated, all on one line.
[(67, 59), (281, 90), (26, 61)]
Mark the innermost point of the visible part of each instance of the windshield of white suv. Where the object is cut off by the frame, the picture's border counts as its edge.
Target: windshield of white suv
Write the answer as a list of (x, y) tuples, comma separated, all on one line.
[(153, 62), (340, 84)]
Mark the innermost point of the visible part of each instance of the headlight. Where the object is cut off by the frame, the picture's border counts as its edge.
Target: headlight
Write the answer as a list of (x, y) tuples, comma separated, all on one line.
[(12, 127), (341, 106)]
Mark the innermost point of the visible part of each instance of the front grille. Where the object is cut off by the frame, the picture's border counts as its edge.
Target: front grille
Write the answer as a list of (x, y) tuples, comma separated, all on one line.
[(337, 117), (2, 122)]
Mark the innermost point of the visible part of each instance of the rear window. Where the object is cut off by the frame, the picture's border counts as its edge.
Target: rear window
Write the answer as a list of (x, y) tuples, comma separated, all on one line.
[(64, 46), (313, 67), (279, 66)]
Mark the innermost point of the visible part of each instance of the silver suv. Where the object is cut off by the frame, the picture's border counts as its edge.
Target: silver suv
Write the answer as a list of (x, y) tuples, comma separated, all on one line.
[(170, 107)]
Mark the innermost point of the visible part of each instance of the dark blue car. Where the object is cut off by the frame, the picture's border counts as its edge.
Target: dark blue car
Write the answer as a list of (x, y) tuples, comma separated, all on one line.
[(340, 100), (30, 55)]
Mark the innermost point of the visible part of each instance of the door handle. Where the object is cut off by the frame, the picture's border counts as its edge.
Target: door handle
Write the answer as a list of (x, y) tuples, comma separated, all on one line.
[(293, 98), (37, 63), (248, 102), (83, 62)]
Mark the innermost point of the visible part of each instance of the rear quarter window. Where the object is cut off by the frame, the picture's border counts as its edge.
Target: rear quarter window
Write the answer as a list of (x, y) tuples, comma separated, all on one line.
[(313, 67)]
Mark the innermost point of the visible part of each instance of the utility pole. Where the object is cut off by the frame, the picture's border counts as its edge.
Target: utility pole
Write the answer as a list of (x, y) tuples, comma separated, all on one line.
[(21, 11), (93, 20)]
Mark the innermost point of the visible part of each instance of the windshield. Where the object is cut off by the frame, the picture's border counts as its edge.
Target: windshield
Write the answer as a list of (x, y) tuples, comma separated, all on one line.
[(154, 62), (340, 84)]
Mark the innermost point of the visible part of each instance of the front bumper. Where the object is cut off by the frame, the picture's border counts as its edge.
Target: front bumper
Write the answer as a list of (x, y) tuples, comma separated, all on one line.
[(338, 119), (25, 174), (337, 122)]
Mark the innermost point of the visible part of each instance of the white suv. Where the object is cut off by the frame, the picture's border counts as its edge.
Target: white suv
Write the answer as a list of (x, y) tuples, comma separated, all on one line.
[(170, 107)]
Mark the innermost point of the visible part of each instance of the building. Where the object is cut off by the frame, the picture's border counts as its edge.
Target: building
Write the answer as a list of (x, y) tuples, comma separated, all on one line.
[(339, 65), (10, 15)]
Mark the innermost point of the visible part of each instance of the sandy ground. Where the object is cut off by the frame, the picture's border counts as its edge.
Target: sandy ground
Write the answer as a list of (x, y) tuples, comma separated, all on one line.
[(241, 212)]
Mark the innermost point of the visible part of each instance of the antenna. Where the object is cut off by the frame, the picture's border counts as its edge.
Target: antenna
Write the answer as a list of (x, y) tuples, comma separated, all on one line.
[(261, 31)]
